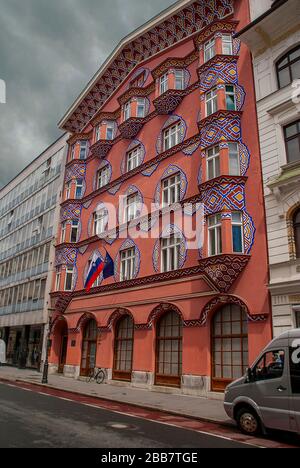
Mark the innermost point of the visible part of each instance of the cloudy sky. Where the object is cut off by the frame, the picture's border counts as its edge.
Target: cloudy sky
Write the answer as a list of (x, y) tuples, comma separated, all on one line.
[(49, 50)]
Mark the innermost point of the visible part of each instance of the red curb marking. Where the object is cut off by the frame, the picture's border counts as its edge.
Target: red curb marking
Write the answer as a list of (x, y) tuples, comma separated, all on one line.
[(154, 415)]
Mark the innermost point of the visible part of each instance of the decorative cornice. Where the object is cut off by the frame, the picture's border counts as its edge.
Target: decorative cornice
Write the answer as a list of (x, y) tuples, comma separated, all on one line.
[(131, 127), (221, 26), (136, 92), (78, 137), (224, 179), (101, 148), (181, 62), (106, 116), (214, 60), (167, 102)]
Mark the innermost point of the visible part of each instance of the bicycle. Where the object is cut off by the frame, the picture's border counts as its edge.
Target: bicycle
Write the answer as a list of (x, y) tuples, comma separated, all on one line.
[(98, 375)]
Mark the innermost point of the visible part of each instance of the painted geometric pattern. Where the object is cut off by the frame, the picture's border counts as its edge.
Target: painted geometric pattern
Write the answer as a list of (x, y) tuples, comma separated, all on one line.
[(228, 128), (219, 73), (128, 244), (147, 224), (185, 22), (76, 171), (236, 46), (148, 172), (102, 165), (142, 153), (249, 232), (66, 256), (71, 211), (224, 197), (169, 172), (114, 189), (190, 150), (170, 230), (240, 97), (244, 158), (171, 120)]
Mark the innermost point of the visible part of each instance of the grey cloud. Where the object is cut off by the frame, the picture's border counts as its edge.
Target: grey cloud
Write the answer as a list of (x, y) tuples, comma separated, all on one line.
[(48, 52)]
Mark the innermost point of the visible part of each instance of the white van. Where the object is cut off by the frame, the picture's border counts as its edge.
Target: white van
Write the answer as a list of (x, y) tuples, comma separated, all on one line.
[(268, 396)]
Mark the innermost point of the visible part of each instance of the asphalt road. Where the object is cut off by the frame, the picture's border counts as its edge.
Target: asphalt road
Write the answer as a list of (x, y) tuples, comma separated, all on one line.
[(32, 420)]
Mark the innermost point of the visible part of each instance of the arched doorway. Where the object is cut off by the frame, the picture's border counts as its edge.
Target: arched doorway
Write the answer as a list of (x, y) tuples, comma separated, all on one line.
[(229, 330), (169, 350), (123, 349), (63, 347), (89, 348)]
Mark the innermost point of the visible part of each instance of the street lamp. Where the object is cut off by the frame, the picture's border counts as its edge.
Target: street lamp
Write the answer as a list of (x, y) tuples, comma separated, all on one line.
[(46, 363)]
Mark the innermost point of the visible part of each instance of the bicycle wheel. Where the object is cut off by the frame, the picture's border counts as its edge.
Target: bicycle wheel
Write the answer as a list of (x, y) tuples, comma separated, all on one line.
[(100, 377), (91, 375)]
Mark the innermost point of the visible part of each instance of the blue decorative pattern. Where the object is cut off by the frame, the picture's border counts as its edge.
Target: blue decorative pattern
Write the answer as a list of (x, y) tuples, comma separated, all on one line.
[(224, 197), (148, 172), (223, 128), (171, 120), (169, 172), (71, 211), (249, 232), (128, 244), (114, 189), (220, 72), (75, 171), (66, 256), (190, 150)]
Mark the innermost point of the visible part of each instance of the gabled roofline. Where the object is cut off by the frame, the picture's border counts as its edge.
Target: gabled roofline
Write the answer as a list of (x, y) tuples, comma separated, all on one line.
[(126, 40)]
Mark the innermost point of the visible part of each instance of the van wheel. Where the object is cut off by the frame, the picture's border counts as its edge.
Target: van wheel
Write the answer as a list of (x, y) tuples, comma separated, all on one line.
[(248, 421)]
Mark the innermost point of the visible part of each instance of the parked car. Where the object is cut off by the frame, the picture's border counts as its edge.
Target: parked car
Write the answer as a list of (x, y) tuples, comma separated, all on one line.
[(268, 396)]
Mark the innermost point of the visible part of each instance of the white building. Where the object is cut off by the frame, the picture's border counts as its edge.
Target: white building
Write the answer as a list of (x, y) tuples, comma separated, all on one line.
[(274, 39), (29, 212)]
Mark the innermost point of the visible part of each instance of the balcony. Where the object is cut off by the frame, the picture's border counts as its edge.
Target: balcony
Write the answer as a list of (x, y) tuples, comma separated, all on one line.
[(224, 270), (131, 127), (167, 102), (102, 148)]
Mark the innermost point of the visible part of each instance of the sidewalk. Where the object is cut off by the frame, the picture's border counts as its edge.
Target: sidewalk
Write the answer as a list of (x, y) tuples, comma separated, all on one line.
[(189, 406)]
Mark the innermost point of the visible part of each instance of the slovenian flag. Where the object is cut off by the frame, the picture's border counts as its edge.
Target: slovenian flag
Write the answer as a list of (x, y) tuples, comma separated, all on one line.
[(96, 268)]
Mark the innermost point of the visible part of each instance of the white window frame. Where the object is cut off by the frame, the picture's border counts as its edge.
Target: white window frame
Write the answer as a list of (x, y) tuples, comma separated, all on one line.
[(141, 106), (133, 159), (109, 127), (100, 221), (78, 185), (68, 190), (209, 49), (211, 99), (131, 204), (127, 264), (234, 154), (179, 79), (102, 177), (213, 155), (63, 232), (171, 136), (171, 190), (98, 132), (230, 93), (227, 43), (164, 83), (73, 148), (240, 224), (69, 271), (57, 280), (83, 149), (74, 227), (215, 229), (170, 250), (127, 111)]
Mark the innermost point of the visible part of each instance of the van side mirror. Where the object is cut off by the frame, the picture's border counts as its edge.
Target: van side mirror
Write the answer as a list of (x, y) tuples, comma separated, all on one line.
[(250, 375)]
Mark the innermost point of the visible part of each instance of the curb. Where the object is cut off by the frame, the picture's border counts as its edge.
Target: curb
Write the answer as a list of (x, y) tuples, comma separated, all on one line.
[(226, 423)]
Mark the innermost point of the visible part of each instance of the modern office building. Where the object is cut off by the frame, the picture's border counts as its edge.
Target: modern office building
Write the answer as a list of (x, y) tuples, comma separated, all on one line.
[(29, 209), (274, 39), (169, 118)]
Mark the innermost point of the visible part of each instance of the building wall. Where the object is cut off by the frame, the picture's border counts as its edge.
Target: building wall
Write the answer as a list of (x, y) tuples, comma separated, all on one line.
[(196, 292)]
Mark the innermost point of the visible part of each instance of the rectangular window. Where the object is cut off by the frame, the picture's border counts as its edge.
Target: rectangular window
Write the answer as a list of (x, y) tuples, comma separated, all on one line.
[(211, 102), (230, 98), (109, 132), (57, 280), (172, 136), (103, 177), (213, 163), (171, 190), (79, 188), (164, 83), (297, 316), (63, 232), (131, 208), (127, 111), (141, 108), (234, 159), (237, 232), (170, 254), (68, 190), (69, 279), (209, 50), (73, 149), (179, 79), (214, 235), (133, 158), (83, 149), (100, 219), (127, 264), (292, 142), (98, 133), (227, 45), (74, 231)]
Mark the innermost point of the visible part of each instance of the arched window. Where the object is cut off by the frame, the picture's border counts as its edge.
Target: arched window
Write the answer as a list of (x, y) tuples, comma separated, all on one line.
[(229, 346), (288, 68), (123, 349), (89, 348), (297, 232), (169, 350)]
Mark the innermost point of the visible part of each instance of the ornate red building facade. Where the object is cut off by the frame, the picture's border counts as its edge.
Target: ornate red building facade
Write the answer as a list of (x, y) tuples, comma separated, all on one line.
[(170, 117)]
